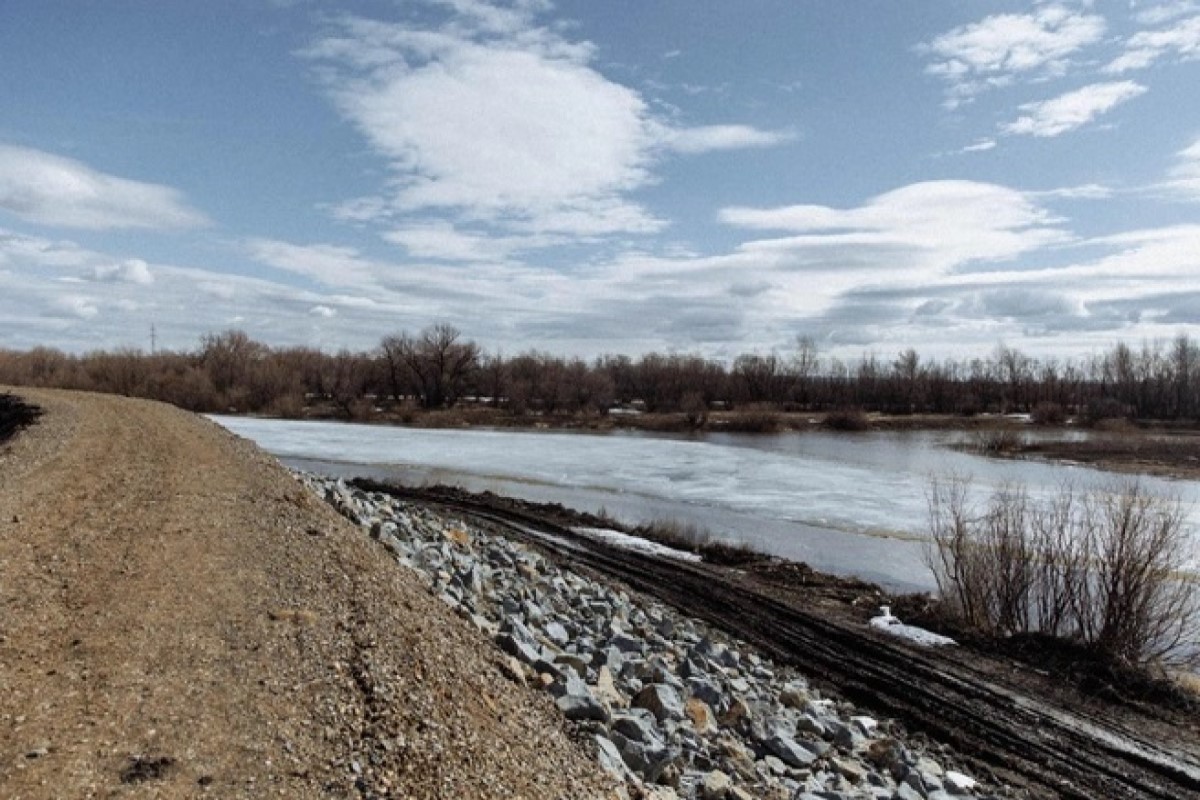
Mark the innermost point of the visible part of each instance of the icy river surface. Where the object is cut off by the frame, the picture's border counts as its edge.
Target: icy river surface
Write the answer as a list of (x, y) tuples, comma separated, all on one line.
[(844, 503)]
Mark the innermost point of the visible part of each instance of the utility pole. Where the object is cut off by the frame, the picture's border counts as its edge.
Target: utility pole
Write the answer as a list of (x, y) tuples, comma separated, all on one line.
[(153, 339)]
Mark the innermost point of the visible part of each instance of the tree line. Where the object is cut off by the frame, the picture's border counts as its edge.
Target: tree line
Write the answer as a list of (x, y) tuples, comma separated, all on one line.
[(438, 368)]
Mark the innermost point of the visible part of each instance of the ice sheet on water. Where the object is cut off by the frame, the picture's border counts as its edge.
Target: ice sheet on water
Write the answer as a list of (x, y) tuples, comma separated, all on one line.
[(892, 626), (636, 543), (764, 487)]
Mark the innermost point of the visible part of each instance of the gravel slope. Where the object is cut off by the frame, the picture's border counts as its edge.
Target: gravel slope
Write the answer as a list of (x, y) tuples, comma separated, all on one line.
[(179, 618)]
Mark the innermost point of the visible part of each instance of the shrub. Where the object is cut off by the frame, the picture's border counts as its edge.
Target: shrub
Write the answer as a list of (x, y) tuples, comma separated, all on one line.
[(847, 419), (288, 406), (1104, 569), (696, 539), (1048, 413), (1105, 408), (993, 441), (695, 410), (752, 420)]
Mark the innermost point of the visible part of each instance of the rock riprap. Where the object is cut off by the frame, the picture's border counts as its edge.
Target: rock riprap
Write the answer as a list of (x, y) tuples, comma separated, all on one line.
[(673, 707)]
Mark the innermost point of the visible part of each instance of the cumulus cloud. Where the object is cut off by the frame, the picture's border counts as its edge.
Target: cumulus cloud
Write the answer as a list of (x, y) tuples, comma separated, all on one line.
[(1181, 41), (47, 189), (79, 306), (132, 270), (1000, 48), (1072, 110), (487, 115)]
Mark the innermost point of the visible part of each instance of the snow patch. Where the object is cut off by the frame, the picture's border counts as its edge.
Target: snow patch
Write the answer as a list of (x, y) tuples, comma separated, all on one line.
[(892, 626), (636, 543)]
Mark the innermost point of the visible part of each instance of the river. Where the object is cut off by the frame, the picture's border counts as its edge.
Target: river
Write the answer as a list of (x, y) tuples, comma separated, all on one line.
[(844, 503)]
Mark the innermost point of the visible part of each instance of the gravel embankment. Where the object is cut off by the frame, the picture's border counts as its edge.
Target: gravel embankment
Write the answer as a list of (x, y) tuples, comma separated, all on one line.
[(671, 704), (179, 618)]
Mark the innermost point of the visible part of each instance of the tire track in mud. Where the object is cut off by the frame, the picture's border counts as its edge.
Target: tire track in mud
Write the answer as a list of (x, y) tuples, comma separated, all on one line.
[(1007, 734)]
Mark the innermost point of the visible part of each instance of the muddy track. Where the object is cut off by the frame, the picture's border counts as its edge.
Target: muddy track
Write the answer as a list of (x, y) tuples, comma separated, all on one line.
[(1013, 737)]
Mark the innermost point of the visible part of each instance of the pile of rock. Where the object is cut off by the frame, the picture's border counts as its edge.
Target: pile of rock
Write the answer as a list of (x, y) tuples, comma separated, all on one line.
[(673, 707)]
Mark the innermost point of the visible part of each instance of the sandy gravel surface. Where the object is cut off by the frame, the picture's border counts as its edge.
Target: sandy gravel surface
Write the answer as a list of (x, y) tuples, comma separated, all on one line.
[(179, 619)]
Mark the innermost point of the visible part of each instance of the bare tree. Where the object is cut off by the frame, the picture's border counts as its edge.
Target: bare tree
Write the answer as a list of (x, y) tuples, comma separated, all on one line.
[(1184, 357), (440, 364), (806, 363), (228, 357), (395, 367)]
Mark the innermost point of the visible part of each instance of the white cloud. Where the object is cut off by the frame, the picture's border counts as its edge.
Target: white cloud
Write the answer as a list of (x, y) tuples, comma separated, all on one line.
[(1184, 177), (132, 270), (724, 137), (326, 264), (997, 49), (1072, 110), (503, 123), (77, 306), (939, 224), (322, 311), (531, 155), (1165, 12), (1182, 40), (21, 249), (1087, 191), (921, 234), (981, 146), (441, 241), (51, 190)]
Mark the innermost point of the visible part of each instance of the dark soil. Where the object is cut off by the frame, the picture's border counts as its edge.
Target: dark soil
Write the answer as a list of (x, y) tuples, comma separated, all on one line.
[(1031, 718), (15, 415), (1084, 667)]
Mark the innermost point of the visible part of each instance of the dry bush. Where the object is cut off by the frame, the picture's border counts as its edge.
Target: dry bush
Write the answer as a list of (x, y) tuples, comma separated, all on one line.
[(1104, 411), (696, 539), (847, 419), (288, 406), (1105, 568), (991, 441), (1048, 413), (755, 419), (695, 410)]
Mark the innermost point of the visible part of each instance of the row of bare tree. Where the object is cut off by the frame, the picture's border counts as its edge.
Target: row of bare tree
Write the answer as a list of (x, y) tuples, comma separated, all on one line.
[(439, 368)]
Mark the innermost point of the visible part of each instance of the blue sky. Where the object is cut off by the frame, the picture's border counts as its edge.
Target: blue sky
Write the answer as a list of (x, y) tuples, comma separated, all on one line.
[(587, 177)]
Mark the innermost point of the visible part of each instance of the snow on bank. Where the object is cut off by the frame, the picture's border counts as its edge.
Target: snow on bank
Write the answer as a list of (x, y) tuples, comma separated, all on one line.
[(636, 544), (892, 626)]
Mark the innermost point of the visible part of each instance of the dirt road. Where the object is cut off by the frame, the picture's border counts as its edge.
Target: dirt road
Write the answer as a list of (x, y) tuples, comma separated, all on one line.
[(179, 618)]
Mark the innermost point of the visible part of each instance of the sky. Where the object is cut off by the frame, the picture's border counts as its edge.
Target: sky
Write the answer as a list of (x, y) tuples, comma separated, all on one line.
[(588, 177)]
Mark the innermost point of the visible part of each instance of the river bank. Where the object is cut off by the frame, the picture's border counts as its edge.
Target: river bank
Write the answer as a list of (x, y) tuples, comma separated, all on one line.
[(1021, 732), (670, 702)]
